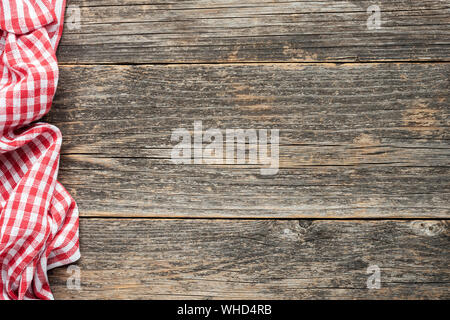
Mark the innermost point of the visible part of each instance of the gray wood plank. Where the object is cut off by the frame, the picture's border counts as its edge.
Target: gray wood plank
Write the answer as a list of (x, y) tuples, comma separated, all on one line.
[(254, 259), (358, 140), (115, 31)]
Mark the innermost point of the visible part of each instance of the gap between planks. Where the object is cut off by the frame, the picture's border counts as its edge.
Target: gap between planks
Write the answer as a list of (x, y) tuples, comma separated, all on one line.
[(263, 218), (243, 63)]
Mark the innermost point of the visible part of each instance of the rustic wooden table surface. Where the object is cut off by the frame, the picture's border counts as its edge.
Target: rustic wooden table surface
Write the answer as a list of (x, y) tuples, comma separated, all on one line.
[(364, 173)]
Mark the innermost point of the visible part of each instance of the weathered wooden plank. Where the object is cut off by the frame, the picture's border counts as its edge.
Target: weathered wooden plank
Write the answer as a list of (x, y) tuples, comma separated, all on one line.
[(254, 259), (255, 31), (141, 187), (357, 140), (323, 104)]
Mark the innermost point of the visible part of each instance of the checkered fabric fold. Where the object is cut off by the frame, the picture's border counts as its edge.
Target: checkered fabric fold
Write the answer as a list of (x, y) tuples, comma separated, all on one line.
[(38, 218)]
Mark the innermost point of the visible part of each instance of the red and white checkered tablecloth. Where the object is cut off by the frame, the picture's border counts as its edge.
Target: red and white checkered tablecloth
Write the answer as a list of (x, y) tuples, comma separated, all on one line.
[(38, 218)]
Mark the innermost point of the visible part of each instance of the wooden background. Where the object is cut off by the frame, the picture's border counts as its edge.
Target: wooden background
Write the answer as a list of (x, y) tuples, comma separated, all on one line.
[(364, 148)]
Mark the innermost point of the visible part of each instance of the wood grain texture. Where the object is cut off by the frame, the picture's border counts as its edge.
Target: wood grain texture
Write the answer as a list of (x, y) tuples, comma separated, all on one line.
[(272, 259), (359, 141), (213, 31), (356, 140)]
